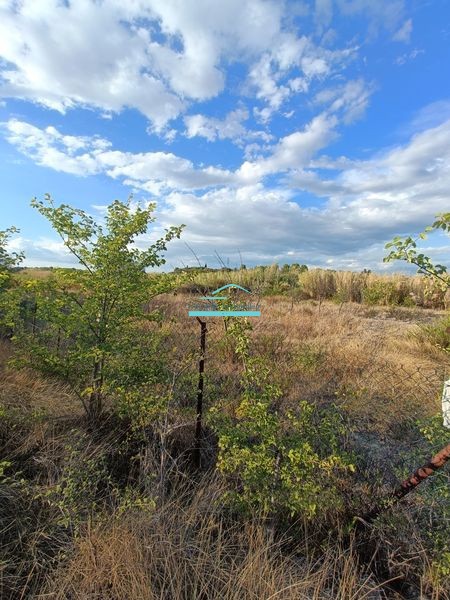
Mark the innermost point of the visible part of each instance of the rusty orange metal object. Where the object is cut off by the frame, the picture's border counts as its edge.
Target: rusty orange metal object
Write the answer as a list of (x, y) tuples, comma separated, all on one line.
[(437, 462), (406, 486)]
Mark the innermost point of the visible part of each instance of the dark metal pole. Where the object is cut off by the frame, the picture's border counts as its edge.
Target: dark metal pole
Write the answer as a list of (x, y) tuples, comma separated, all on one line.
[(33, 322), (201, 369)]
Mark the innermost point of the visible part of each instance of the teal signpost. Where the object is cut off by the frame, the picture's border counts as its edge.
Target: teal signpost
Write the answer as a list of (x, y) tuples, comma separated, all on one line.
[(216, 305)]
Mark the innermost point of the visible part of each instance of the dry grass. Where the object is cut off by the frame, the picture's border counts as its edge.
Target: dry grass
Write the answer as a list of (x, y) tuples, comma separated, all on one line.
[(186, 551), (26, 390), (322, 284), (368, 360)]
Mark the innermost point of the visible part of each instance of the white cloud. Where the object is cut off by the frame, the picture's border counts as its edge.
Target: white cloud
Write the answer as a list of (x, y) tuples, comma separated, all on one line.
[(79, 155), (350, 100), (323, 12), (404, 33), (159, 171), (364, 204), (152, 56), (158, 56), (292, 151), (58, 55), (370, 202), (407, 56), (400, 190), (156, 172), (429, 116), (49, 148), (290, 68), (43, 252), (382, 14), (231, 127)]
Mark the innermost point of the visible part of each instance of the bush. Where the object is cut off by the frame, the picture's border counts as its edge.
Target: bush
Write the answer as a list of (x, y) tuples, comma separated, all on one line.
[(280, 463), (438, 333)]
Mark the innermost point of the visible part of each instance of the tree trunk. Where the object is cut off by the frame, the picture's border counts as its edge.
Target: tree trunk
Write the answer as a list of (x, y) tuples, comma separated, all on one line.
[(95, 397)]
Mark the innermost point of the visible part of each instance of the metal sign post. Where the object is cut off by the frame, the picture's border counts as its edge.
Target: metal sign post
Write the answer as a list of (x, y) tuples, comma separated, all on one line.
[(211, 306), (199, 416)]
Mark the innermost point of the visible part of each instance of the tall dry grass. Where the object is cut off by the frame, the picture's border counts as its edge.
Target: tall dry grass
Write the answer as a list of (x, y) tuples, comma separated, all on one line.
[(374, 361), (325, 284), (187, 551)]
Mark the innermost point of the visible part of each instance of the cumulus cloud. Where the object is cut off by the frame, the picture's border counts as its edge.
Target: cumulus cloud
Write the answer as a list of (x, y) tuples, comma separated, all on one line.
[(369, 203), (292, 151), (153, 56), (399, 190), (81, 155), (157, 172), (49, 148), (290, 68), (364, 202), (159, 56), (231, 127)]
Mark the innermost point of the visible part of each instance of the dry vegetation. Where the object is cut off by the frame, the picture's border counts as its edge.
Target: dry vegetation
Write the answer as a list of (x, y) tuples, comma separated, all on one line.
[(325, 284), (75, 522)]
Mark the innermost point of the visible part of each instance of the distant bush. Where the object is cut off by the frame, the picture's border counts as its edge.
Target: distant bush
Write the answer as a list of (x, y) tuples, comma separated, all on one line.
[(301, 283), (438, 333)]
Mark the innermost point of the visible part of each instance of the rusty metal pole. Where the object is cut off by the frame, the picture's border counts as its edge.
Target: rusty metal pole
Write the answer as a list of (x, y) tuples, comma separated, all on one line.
[(437, 462), (198, 424), (409, 484)]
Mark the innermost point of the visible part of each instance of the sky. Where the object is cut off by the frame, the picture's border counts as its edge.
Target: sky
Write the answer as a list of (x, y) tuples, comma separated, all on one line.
[(297, 131)]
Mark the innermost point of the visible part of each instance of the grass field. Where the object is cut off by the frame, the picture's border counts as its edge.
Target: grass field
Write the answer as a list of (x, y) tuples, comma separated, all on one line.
[(103, 514)]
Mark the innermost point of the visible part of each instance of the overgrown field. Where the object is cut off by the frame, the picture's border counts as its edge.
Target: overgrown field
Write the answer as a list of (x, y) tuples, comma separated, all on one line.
[(300, 283), (145, 454), (119, 510)]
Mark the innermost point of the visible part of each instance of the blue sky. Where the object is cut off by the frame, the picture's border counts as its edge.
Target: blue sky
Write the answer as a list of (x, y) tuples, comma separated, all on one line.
[(296, 131)]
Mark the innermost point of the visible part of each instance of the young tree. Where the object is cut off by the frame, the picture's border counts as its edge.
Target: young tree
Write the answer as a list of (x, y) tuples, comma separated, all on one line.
[(89, 314), (406, 249), (8, 260)]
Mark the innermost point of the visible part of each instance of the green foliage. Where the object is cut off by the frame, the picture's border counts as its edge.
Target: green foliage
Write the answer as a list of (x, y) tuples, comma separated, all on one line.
[(438, 333), (279, 463), (309, 357), (130, 500), (435, 496), (4, 465), (406, 249), (8, 292), (81, 488), (380, 293), (8, 260), (141, 406), (80, 324)]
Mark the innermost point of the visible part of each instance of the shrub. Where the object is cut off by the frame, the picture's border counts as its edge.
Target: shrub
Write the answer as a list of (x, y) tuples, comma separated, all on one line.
[(438, 333), (280, 463)]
